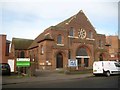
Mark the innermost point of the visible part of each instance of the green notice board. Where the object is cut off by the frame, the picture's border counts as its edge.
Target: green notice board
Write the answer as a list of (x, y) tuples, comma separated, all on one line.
[(23, 62)]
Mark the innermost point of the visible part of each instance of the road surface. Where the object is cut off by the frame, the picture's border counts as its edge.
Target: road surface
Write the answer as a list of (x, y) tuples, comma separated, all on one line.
[(88, 82)]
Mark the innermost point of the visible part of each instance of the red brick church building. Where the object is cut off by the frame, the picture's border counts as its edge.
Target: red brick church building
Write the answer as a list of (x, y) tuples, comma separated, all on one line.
[(74, 38)]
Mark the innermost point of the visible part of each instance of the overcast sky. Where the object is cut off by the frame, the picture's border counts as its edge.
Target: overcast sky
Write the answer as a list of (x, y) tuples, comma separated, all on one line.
[(28, 18)]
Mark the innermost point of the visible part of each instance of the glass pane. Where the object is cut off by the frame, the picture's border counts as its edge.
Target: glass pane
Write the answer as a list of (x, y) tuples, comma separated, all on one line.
[(71, 31), (59, 39)]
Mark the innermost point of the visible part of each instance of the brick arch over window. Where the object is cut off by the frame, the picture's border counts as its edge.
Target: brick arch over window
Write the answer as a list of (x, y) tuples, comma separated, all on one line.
[(60, 51), (84, 56), (83, 51)]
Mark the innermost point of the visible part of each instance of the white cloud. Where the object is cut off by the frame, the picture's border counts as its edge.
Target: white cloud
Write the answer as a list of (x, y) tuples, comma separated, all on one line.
[(54, 9), (51, 12)]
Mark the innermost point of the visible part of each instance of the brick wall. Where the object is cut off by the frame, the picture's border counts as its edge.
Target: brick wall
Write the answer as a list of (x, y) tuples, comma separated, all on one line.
[(3, 49), (72, 44)]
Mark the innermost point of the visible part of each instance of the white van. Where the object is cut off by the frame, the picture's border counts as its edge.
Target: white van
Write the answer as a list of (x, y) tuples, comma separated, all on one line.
[(106, 67)]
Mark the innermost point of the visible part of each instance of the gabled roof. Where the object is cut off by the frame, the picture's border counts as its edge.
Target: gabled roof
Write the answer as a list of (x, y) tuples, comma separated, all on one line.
[(21, 44), (42, 37), (65, 22), (36, 40), (34, 43), (46, 37), (78, 18)]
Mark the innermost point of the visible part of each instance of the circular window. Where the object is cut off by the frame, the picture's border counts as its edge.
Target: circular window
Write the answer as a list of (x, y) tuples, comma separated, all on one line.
[(82, 33)]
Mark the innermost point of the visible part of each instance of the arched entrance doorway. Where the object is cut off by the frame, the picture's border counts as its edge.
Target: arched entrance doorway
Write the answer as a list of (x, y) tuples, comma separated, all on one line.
[(59, 60), (82, 57)]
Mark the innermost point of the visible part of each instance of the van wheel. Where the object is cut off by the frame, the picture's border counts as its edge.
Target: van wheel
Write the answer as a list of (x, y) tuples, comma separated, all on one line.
[(107, 73)]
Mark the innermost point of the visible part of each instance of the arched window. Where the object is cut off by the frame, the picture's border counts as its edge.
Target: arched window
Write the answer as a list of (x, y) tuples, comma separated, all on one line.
[(71, 32), (22, 54), (69, 54), (42, 49), (59, 39), (90, 35), (100, 43), (82, 52)]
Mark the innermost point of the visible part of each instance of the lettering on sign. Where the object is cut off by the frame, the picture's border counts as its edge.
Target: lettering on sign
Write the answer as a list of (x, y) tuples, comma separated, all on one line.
[(72, 63)]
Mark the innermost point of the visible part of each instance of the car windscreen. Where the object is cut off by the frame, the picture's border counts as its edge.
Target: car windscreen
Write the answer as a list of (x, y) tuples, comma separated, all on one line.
[(117, 64), (4, 65)]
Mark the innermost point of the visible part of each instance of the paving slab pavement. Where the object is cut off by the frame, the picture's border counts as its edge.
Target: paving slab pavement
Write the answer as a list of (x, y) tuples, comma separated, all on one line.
[(47, 76)]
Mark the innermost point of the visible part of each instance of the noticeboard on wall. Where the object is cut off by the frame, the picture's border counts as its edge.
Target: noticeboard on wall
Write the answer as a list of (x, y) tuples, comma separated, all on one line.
[(72, 63)]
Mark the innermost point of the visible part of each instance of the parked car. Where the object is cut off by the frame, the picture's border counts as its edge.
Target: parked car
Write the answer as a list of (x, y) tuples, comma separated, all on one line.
[(106, 67), (5, 69)]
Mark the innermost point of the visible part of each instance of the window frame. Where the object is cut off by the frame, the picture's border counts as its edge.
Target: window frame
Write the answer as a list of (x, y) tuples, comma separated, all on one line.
[(71, 32), (90, 35), (59, 39), (42, 50), (100, 43)]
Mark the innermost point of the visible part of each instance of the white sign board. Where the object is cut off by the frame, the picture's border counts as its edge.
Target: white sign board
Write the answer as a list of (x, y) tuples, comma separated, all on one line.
[(72, 63), (82, 56), (11, 63), (23, 59)]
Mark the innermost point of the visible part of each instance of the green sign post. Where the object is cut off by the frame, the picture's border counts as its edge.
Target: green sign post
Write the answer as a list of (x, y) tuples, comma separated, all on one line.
[(23, 62)]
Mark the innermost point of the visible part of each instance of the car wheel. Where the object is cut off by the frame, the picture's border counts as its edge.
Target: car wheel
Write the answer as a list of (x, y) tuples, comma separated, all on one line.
[(9, 73), (107, 73)]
